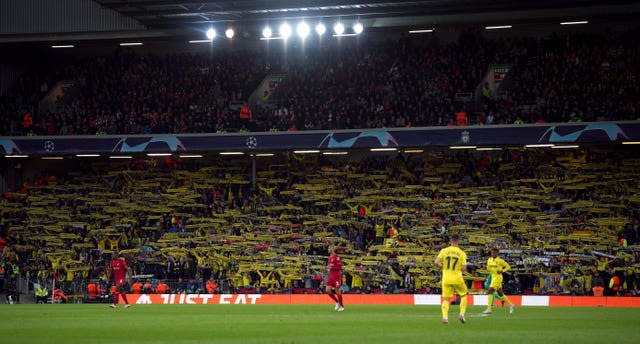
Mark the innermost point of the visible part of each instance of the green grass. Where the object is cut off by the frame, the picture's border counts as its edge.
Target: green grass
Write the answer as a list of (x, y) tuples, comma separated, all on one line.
[(311, 324)]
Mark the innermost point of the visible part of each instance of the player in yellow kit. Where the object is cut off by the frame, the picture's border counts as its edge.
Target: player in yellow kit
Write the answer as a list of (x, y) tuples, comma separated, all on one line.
[(496, 266), (453, 261)]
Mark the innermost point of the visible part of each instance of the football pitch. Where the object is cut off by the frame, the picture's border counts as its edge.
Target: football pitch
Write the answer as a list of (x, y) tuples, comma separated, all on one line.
[(75, 323)]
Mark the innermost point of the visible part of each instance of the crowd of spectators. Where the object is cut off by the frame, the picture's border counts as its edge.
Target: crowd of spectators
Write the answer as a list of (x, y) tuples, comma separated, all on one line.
[(130, 93), (565, 221), (574, 77), (412, 81)]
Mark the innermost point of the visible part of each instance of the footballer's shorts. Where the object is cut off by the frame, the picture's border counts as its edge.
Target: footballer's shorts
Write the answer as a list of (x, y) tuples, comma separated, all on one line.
[(496, 282), (452, 287), (334, 280)]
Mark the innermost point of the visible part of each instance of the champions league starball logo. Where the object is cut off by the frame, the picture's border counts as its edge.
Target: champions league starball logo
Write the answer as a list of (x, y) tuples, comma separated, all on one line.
[(49, 146), (252, 142), (464, 137)]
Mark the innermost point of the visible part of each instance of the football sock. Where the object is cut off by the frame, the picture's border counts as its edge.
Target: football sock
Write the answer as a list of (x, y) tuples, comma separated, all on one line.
[(491, 301), (496, 296), (506, 299), (340, 299), (445, 309), (463, 304), (124, 297), (333, 296)]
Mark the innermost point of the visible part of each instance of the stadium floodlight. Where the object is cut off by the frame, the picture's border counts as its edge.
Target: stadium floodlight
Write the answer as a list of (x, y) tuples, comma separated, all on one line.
[(196, 41), (130, 44), (62, 46), (321, 29), (389, 149), (311, 151), (463, 147), (190, 156), (335, 153), (421, 31), (266, 32), (87, 155), (575, 22), (566, 147), (285, 31), (303, 30), (498, 27), (488, 148), (211, 33), (121, 157), (231, 153), (229, 33), (16, 156), (414, 150), (539, 145), (265, 154), (52, 158), (631, 143), (158, 154), (338, 28), (358, 28)]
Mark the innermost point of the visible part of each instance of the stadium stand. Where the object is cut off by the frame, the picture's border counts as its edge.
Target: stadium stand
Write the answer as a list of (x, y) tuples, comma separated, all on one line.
[(403, 83), (565, 221)]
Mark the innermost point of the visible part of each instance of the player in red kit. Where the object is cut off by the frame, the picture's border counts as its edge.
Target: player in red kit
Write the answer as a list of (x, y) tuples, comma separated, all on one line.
[(334, 282), (117, 272)]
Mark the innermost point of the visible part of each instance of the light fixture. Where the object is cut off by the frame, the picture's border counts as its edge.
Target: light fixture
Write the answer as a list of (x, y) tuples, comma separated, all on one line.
[(358, 28), (229, 33), (120, 157), (87, 155), (389, 149), (231, 153), (266, 32), (196, 41), (183, 156), (62, 46), (264, 154), (345, 35), (338, 28), (303, 30), (565, 147), (158, 154), (488, 149), (130, 44), (498, 27), (539, 145), (575, 22), (211, 33), (463, 147), (312, 151), (321, 29), (285, 31), (335, 153), (414, 150), (421, 31), (16, 156), (631, 143), (270, 38), (52, 158)]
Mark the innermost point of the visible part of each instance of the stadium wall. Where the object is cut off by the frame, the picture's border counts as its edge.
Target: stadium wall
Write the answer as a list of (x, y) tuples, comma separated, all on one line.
[(376, 299)]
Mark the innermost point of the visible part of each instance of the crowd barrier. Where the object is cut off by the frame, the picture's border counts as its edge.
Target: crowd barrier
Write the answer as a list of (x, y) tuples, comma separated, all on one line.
[(376, 299)]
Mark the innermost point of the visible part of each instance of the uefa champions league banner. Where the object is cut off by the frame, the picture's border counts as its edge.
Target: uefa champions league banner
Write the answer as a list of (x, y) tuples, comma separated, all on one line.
[(569, 133)]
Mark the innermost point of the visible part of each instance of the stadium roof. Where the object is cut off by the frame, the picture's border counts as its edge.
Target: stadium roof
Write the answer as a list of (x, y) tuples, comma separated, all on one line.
[(75, 20), (168, 14)]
